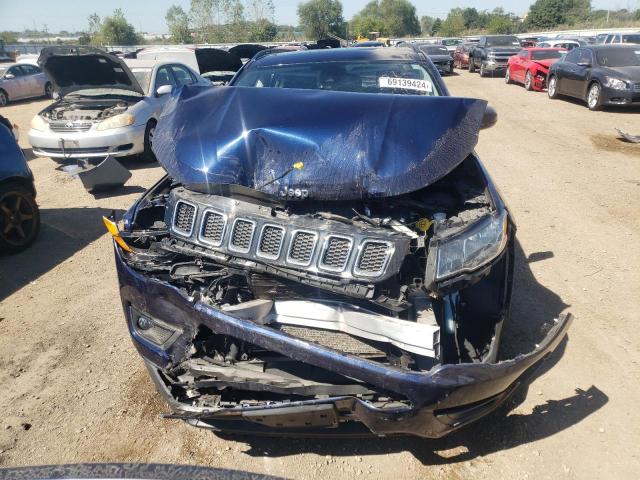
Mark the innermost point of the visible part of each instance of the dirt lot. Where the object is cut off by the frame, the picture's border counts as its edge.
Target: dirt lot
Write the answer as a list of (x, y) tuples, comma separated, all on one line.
[(76, 391)]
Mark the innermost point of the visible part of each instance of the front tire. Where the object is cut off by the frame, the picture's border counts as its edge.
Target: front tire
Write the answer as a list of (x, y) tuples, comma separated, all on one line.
[(19, 218), (528, 81), (594, 97), (552, 88), (148, 155), (483, 68), (4, 98), (507, 76), (472, 66), (48, 90)]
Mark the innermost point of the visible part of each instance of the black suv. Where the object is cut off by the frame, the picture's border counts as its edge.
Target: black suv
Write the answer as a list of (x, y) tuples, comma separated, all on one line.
[(492, 53)]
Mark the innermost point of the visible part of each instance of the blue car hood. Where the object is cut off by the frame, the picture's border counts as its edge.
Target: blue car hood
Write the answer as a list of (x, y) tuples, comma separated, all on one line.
[(352, 145)]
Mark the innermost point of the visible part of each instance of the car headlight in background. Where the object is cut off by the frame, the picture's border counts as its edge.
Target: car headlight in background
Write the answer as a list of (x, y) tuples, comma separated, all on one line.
[(615, 83), (117, 121), (39, 123), (473, 247)]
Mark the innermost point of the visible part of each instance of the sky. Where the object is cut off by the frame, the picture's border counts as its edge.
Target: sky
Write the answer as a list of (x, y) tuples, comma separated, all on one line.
[(148, 16)]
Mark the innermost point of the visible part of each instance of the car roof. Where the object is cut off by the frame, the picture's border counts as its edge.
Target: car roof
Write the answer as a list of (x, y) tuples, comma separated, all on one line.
[(611, 46), (135, 63), (544, 49), (338, 55)]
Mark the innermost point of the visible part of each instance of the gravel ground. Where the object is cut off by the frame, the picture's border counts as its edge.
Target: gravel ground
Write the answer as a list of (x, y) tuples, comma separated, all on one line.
[(76, 391)]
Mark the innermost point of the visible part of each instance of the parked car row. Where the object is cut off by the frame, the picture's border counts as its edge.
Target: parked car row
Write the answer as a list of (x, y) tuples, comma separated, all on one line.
[(601, 75)]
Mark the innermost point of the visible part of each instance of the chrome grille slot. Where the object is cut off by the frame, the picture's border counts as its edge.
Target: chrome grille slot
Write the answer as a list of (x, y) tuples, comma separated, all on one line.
[(302, 247), (69, 126), (336, 253), (270, 241), (242, 235), (636, 87), (212, 229), (184, 217), (373, 258)]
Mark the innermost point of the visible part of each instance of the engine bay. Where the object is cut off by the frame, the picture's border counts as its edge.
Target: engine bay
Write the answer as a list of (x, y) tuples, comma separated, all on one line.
[(93, 111)]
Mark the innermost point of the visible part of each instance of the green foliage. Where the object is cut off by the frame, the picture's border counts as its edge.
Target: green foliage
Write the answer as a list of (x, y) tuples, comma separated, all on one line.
[(453, 26), (116, 30), (178, 24), (395, 18), (437, 25), (318, 18), (500, 24), (551, 13), (8, 37), (426, 24), (262, 31)]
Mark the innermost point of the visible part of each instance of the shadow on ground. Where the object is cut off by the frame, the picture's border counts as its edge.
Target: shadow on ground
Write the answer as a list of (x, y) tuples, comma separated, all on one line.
[(533, 309), (64, 232)]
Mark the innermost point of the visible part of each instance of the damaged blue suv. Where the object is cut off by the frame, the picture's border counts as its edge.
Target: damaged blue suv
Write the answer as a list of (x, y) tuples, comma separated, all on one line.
[(327, 254)]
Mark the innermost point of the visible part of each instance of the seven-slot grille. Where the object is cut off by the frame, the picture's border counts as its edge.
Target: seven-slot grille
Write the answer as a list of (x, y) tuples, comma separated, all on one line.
[(372, 258), (242, 235), (302, 247), (184, 217), (271, 241), (213, 228), (336, 253)]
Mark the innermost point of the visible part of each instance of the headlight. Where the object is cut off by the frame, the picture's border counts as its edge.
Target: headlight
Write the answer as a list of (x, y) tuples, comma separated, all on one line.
[(616, 83), (117, 121), (473, 247), (39, 123)]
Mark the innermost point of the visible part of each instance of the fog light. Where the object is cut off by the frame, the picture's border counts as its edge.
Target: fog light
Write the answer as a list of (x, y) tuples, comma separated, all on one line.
[(145, 323), (155, 331)]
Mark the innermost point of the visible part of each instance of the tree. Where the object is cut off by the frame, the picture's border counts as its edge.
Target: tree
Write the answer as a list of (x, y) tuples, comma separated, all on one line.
[(8, 37), (261, 10), (117, 31), (426, 24), (395, 18), (500, 24), (318, 18), (201, 14), (178, 24), (437, 25), (551, 13), (262, 31), (453, 25), (95, 28), (472, 19)]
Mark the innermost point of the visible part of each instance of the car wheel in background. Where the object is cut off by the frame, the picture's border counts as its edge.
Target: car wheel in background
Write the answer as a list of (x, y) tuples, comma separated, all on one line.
[(482, 69), (148, 155), (507, 76), (528, 81), (48, 90), (594, 96), (472, 66), (552, 88), (19, 218), (4, 98)]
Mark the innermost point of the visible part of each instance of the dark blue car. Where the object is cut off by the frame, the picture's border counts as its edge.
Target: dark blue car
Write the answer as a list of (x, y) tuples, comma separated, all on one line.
[(327, 253), (19, 215)]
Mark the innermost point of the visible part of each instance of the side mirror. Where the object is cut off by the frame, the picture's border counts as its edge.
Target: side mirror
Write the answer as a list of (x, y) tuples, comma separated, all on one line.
[(9, 76), (490, 118), (584, 64), (163, 90)]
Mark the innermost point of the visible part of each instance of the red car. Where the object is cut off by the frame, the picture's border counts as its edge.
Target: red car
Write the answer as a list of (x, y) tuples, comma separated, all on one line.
[(461, 55), (531, 66)]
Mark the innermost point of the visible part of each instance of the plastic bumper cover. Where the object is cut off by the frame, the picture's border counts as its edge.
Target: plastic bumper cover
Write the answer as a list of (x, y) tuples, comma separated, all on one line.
[(441, 400)]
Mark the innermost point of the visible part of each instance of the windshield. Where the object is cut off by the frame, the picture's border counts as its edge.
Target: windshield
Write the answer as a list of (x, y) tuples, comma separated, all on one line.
[(546, 54), (358, 77), (503, 41), (143, 76), (631, 38), (434, 50), (624, 57), (451, 41)]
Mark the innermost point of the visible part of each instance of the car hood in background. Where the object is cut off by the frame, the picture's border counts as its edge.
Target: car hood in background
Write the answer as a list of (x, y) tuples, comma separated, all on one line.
[(246, 50), (216, 60), (352, 145), (629, 73), (440, 58), (73, 68), (546, 62)]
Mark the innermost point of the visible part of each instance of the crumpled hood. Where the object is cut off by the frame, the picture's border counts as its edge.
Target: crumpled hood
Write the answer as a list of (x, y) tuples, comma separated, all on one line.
[(73, 68), (546, 63), (352, 145)]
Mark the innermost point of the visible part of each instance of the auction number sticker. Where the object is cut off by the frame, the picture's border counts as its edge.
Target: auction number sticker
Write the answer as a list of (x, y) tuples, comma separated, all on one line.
[(405, 83)]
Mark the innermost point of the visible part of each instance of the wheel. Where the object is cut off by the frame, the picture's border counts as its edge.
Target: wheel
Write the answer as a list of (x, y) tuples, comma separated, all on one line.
[(507, 76), (594, 97), (48, 90), (148, 155), (552, 88), (483, 71), (4, 98), (528, 81), (19, 218), (472, 66)]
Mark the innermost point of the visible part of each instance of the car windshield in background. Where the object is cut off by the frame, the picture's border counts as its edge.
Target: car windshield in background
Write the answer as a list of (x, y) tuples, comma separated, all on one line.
[(631, 38), (451, 41), (626, 57), (143, 76), (434, 50), (506, 41), (546, 54), (359, 77)]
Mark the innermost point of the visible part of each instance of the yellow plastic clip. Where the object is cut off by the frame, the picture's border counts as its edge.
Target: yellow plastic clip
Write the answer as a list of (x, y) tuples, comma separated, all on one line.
[(298, 165), (112, 228), (424, 224)]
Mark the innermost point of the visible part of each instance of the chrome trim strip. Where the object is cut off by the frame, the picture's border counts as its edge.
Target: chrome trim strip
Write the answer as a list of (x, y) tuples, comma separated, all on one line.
[(389, 254), (322, 265), (203, 224), (313, 250), (284, 236), (253, 231)]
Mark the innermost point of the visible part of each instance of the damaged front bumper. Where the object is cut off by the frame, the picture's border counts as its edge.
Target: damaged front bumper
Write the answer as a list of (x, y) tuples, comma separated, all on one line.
[(427, 404)]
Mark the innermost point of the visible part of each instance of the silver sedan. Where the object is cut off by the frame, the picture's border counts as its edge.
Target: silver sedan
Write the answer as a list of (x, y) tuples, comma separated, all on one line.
[(21, 80), (106, 106)]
